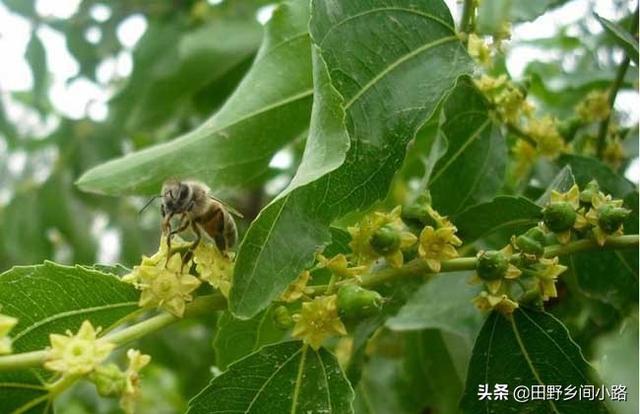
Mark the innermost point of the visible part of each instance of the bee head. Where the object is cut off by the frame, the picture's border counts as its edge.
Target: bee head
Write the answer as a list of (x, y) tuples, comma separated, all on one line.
[(175, 196)]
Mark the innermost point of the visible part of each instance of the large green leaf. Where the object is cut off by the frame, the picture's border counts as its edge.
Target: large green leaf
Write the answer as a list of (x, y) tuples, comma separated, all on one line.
[(436, 365), (443, 303), (171, 65), (368, 103), (585, 169), (506, 213), (472, 169), (529, 348), (622, 37), (51, 298), (283, 378), (269, 108), (236, 338)]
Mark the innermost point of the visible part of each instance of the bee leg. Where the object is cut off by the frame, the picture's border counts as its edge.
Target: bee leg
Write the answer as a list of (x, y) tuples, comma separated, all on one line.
[(166, 229), (189, 253)]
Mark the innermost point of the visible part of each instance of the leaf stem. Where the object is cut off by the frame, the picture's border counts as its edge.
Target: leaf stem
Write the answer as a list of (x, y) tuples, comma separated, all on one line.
[(615, 88), (468, 20), (215, 302), (198, 307), (419, 267)]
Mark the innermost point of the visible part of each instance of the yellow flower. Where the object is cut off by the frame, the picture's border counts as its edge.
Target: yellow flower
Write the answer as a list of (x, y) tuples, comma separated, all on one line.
[(486, 301), (594, 107), (489, 84), (131, 392), (602, 204), (479, 50), (339, 265), (296, 289), (525, 155), (613, 153), (6, 325), (77, 354), (493, 268), (159, 259), (318, 320), (438, 245), (214, 267), (547, 272), (362, 234), (166, 286), (572, 197), (544, 132), (511, 104)]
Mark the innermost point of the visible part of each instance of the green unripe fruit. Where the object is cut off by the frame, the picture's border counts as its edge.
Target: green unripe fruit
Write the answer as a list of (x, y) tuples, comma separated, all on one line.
[(492, 265), (355, 302), (589, 191), (559, 216), (610, 218), (532, 241), (282, 318), (385, 240)]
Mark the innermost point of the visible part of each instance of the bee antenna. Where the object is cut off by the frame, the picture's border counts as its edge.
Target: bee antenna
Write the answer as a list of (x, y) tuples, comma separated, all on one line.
[(148, 203)]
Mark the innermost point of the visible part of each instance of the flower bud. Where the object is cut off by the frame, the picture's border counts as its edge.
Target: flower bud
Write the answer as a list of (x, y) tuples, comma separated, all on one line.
[(492, 265), (559, 216), (419, 211), (611, 218), (531, 242), (109, 380), (589, 191), (282, 318), (355, 302), (385, 240)]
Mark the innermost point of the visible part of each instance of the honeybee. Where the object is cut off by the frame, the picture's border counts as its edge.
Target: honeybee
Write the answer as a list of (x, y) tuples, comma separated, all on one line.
[(196, 208)]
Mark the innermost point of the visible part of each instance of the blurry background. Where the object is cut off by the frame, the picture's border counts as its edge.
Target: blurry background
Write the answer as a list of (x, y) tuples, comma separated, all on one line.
[(82, 82)]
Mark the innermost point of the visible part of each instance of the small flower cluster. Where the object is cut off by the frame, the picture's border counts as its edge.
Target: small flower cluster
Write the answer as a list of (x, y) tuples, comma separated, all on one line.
[(379, 237), (6, 325), (584, 213), (510, 275), (521, 273), (165, 279), (83, 354)]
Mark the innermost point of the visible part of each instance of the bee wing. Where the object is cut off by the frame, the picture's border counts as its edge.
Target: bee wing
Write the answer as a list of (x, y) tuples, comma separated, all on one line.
[(228, 207)]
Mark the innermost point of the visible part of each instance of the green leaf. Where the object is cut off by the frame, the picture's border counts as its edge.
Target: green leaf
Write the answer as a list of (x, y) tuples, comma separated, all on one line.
[(442, 303), (236, 338), (283, 378), (616, 355), (529, 348), (368, 104), (161, 87), (269, 108), (586, 169), (472, 170), (503, 213), (435, 364), (382, 389), (622, 37), (494, 14), (52, 298)]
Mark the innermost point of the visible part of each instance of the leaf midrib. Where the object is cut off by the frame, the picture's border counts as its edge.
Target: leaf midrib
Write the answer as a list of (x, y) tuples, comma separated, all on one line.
[(71, 313)]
